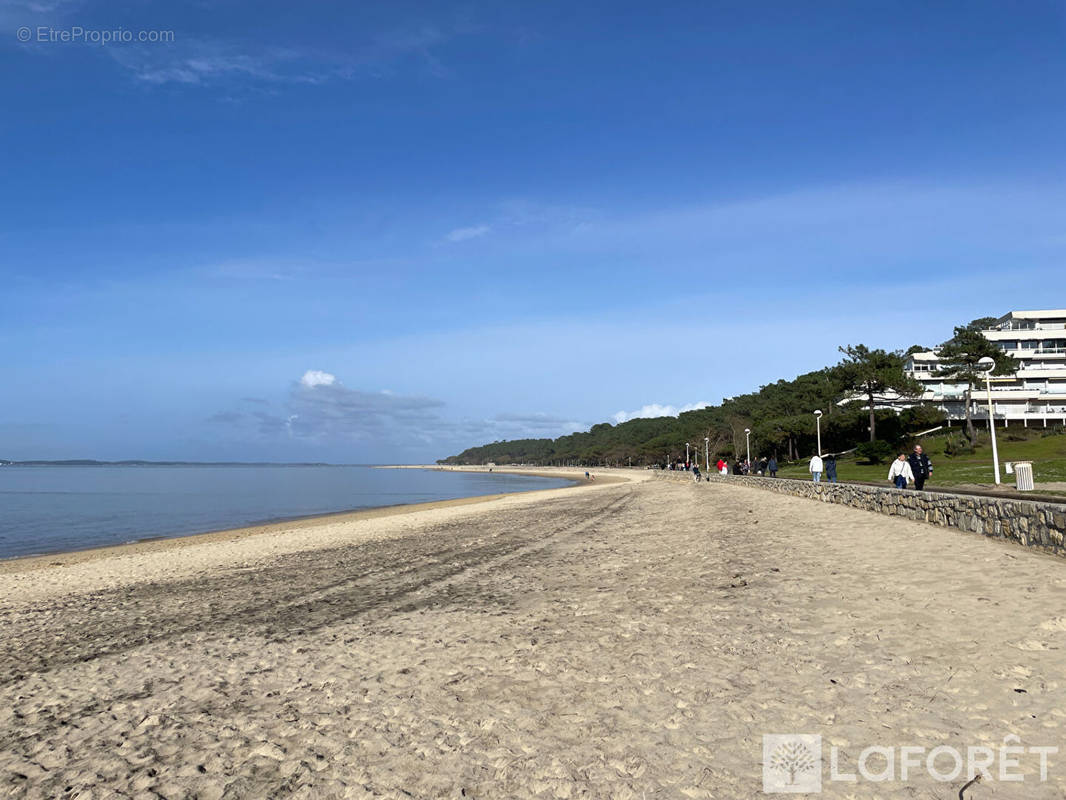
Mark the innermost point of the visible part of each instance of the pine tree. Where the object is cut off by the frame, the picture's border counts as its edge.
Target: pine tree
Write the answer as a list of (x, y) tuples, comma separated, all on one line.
[(958, 362), (874, 374)]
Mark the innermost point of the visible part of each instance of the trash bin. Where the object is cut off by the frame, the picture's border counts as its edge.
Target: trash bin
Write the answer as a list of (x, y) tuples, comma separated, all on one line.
[(1023, 475)]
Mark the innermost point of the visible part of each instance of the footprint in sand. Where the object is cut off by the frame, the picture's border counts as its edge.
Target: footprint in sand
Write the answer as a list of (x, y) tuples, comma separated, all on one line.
[(1054, 624)]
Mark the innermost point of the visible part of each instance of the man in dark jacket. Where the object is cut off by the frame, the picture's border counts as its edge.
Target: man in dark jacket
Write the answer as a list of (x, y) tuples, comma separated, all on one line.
[(921, 466), (771, 466)]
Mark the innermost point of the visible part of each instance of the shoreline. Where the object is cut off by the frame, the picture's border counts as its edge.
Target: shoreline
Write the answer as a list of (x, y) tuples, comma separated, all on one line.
[(163, 543)]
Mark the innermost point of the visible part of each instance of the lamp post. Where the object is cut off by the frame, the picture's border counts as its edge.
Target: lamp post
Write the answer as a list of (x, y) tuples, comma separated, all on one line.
[(747, 442), (818, 425), (987, 364), (686, 455), (707, 453)]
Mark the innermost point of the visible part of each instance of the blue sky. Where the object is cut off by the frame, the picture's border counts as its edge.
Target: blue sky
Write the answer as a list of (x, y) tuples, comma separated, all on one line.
[(385, 232)]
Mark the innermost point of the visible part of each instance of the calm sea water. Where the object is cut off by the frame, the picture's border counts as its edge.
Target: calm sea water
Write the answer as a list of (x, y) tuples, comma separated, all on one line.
[(53, 509)]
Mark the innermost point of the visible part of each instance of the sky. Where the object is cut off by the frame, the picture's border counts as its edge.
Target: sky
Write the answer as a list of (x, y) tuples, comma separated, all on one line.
[(385, 232)]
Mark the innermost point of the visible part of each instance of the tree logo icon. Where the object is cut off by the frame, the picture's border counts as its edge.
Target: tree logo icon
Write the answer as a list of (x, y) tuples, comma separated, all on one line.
[(790, 758), (792, 763)]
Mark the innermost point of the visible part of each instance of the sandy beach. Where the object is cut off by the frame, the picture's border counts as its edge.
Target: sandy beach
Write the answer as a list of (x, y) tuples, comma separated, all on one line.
[(625, 640)]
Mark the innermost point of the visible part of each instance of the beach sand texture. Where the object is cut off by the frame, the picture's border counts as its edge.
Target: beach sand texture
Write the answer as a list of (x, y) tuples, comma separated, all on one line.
[(630, 640)]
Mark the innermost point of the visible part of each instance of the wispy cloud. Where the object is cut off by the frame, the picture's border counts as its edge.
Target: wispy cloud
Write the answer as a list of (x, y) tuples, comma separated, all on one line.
[(203, 62), (465, 234), (320, 410), (32, 12), (227, 417), (655, 410), (528, 425)]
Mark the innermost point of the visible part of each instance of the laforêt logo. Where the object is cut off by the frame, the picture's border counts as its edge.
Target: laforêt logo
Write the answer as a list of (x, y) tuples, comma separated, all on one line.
[(791, 763)]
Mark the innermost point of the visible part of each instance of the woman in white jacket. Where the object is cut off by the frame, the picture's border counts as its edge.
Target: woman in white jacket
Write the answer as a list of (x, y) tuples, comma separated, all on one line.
[(900, 472), (815, 468)]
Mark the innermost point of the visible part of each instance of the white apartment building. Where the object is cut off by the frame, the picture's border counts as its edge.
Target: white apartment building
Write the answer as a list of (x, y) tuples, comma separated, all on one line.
[(1035, 394)]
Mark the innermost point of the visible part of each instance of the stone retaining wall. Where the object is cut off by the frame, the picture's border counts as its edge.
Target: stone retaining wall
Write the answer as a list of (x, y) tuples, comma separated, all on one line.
[(1029, 523)]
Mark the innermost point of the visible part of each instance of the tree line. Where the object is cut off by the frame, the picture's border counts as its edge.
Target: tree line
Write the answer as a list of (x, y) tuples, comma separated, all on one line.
[(779, 415)]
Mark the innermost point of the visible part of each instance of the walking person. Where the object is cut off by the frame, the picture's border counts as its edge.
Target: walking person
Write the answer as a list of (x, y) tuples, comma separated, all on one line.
[(831, 468), (771, 465), (900, 472), (815, 468), (921, 466)]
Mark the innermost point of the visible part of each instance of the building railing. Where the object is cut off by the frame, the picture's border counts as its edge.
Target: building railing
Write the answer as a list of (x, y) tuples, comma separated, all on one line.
[(979, 391), (1027, 326), (1034, 351), (1007, 411)]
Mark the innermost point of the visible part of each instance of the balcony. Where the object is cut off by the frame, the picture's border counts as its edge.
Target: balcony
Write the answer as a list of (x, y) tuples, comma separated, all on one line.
[(1018, 410), (1026, 325), (1029, 352)]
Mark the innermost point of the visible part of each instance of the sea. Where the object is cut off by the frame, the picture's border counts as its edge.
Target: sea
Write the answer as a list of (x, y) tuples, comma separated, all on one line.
[(51, 509)]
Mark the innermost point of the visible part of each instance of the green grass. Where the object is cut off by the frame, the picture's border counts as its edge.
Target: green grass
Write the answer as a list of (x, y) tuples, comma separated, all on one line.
[(1048, 454)]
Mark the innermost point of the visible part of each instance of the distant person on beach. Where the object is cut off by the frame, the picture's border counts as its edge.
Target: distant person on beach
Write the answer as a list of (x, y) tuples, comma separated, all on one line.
[(696, 474), (771, 465), (815, 468), (831, 468), (720, 466), (900, 472), (921, 466), (586, 475)]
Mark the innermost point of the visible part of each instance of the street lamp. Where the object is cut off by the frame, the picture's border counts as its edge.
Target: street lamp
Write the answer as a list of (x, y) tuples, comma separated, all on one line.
[(707, 453), (986, 365), (747, 442), (818, 425), (686, 455)]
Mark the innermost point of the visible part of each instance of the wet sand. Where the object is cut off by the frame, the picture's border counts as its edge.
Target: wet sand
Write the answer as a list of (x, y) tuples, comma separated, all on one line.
[(627, 640)]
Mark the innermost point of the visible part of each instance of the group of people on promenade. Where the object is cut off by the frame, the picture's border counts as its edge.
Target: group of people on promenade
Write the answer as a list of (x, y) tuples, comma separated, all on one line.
[(762, 466), (828, 465), (913, 470)]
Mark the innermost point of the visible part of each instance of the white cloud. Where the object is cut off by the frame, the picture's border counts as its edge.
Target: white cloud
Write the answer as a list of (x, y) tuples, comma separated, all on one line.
[(655, 410), (463, 234), (316, 377)]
